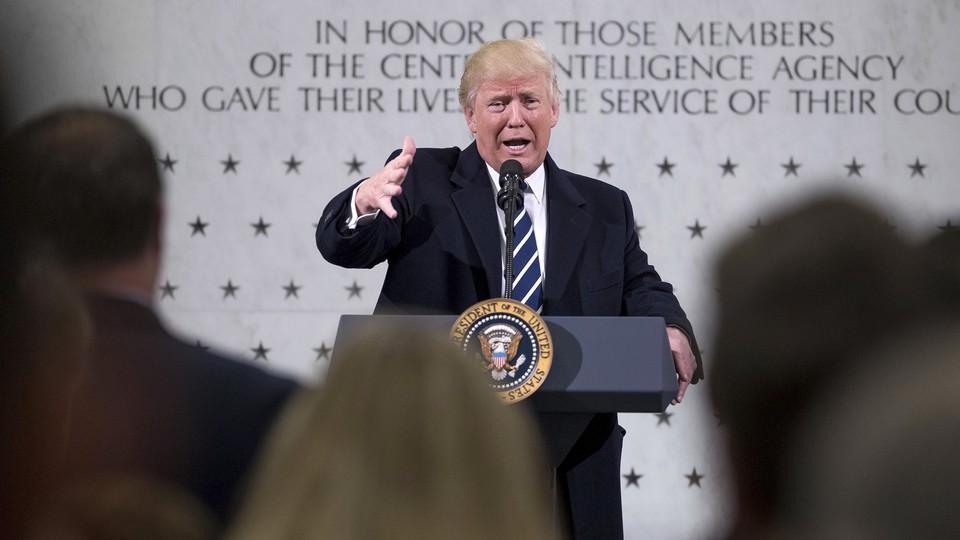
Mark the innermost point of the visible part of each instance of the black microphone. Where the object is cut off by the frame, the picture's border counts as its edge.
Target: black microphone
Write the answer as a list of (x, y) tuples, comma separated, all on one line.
[(510, 198), (511, 185)]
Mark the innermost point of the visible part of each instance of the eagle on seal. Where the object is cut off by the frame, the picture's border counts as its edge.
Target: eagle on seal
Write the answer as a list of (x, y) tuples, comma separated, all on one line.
[(498, 350)]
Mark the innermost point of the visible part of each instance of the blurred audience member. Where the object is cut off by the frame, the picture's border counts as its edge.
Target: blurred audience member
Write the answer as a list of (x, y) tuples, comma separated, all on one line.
[(403, 441), (877, 457), (123, 507), (797, 299), (87, 184), (940, 256)]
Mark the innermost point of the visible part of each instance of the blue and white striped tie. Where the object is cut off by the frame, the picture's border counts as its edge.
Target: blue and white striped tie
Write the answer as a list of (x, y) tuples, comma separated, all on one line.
[(527, 281)]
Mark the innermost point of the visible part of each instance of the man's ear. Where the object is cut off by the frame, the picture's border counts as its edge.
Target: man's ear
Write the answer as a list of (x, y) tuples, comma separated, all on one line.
[(468, 114)]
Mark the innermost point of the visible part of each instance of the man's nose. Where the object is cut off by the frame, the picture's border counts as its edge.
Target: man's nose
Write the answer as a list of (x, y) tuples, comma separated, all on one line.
[(515, 111)]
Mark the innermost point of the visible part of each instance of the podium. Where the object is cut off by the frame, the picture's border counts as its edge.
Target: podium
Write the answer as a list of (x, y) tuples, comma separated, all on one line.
[(600, 365)]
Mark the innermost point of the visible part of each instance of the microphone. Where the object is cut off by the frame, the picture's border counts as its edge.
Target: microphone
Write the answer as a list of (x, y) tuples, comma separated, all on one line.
[(510, 198), (511, 185)]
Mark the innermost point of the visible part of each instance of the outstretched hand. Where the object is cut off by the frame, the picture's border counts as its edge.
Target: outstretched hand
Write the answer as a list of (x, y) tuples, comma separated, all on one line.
[(375, 192)]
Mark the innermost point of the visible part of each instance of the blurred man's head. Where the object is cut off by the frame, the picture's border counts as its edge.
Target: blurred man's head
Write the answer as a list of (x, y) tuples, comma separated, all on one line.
[(86, 183), (511, 101)]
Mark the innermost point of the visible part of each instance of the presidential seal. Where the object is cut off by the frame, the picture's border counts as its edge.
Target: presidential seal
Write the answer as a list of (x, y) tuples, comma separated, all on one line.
[(510, 343)]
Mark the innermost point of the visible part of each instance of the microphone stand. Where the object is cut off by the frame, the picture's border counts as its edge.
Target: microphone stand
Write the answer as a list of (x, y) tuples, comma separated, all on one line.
[(511, 200)]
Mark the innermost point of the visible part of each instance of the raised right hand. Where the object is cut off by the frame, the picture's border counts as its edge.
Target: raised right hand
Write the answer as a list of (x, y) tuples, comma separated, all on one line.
[(375, 192)]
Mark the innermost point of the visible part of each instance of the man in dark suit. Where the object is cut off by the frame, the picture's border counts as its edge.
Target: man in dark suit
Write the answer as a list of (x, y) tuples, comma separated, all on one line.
[(148, 403), (442, 235)]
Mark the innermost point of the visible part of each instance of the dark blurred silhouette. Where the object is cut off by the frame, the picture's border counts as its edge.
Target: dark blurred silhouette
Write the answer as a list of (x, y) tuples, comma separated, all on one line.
[(878, 459), (797, 299), (86, 184), (403, 441)]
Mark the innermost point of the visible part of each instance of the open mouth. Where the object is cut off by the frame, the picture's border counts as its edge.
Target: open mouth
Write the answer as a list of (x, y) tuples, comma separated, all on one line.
[(516, 145)]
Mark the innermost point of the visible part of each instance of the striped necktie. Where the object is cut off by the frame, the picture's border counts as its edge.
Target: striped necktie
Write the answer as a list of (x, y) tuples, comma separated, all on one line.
[(527, 281)]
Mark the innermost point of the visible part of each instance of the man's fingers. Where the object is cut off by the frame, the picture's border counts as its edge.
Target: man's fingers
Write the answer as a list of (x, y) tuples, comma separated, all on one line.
[(409, 148), (680, 392)]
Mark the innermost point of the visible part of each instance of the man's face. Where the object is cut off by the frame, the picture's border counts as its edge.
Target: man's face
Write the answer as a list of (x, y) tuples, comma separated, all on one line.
[(512, 119)]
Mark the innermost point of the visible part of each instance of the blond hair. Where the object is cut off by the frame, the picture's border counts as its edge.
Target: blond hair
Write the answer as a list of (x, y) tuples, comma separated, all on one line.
[(402, 441), (507, 59)]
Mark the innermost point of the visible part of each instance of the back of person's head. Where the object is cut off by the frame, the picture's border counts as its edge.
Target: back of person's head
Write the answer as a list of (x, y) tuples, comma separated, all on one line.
[(507, 59), (877, 457), (402, 441), (797, 297), (940, 256), (86, 181)]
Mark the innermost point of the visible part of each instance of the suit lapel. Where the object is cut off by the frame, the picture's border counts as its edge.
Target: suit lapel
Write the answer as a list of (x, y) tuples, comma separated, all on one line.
[(475, 203), (567, 226)]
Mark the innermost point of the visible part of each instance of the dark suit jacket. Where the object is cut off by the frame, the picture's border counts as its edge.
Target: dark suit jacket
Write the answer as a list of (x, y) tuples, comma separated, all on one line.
[(443, 254), (151, 404)]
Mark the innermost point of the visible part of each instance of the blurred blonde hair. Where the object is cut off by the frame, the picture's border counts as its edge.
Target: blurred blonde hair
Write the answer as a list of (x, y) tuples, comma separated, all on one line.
[(507, 59), (402, 441)]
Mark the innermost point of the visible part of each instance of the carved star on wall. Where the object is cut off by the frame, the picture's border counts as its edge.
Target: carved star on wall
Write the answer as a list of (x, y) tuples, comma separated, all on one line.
[(694, 478), (260, 227), (323, 352), (632, 478), (354, 290), (202, 346), (229, 290), (198, 227), (791, 167), (603, 167), (293, 165), (167, 290), (666, 167), (354, 165), (292, 290), (167, 163), (854, 168), (230, 164), (663, 418), (696, 229), (261, 352), (757, 225), (949, 227), (728, 168), (639, 229), (917, 168)]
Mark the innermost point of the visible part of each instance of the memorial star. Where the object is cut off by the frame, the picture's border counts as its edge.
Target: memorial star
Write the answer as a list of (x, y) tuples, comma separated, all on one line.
[(728, 168), (854, 168), (632, 478), (354, 290), (694, 478), (603, 167), (666, 167), (230, 164), (756, 225), (168, 163), (949, 227), (260, 227), (202, 346), (292, 290), (696, 229), (791, 167), (292, 165), (261, 352), (354, 165), (917, 168), (198, 227), (663, 418), (167, 290), (322, 352), (229, 289), (639, 229)]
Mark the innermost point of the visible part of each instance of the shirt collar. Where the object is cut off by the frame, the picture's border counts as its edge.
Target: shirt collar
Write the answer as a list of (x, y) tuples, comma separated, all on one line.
[(535, 181)]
